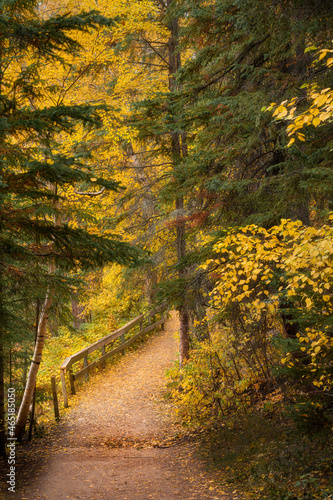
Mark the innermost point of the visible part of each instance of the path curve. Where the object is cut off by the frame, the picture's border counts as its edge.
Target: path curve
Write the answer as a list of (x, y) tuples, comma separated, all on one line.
[(120, 441)]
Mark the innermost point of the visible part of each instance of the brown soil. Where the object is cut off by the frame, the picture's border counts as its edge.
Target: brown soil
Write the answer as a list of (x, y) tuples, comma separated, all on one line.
[(119, 441)]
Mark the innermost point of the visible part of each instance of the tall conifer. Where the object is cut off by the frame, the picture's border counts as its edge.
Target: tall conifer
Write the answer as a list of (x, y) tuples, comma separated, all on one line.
[(31, 166), (243, 60)]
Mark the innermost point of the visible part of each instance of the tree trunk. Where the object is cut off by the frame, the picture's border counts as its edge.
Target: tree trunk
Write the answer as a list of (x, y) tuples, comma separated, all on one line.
[(77, 311), (184, 327), (179, 151), (32, 414), (33, 403), (31, 381), (43, 314)]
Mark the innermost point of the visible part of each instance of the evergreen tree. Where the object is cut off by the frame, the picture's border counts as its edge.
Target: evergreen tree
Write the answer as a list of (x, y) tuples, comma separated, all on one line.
[(241, 63), (32, 231), (233, 166)]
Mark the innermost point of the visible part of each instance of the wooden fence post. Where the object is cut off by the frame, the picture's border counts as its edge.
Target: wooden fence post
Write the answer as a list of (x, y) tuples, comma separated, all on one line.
[(71, 381), (103, 352), (63, 385), (55, 398), (122, 339), (85, 361)]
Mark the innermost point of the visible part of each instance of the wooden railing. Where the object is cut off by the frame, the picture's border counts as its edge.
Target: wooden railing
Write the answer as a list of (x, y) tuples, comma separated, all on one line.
[(67, 366)]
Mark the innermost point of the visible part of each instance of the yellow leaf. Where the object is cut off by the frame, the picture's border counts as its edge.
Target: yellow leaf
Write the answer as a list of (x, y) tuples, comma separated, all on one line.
[(324, 116), (320, 100), (280, 112), (326, 298), (323, 54), (316, 122), (329, 61), (307, 118), (290, 142)]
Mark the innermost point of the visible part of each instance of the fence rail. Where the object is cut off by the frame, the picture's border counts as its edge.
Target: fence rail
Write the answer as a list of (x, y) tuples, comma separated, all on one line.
[(67, 366)]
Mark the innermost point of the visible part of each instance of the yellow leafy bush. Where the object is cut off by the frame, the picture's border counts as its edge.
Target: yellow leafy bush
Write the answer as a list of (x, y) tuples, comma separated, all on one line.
[(319, 111), (263, 280), (262, 270)]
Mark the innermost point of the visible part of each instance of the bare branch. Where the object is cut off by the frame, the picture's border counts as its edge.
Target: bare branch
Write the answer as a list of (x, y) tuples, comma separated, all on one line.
[(156, 51), (90, 193)]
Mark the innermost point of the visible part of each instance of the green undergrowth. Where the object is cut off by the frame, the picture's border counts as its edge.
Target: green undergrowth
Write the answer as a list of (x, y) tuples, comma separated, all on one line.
[(272, 440), (268, 457)]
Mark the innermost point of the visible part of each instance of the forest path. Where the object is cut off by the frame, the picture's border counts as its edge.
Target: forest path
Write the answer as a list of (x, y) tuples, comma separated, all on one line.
[(119, 441)]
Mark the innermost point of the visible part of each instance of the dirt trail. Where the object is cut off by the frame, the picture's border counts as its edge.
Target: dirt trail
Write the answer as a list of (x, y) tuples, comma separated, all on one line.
[(119, 442)]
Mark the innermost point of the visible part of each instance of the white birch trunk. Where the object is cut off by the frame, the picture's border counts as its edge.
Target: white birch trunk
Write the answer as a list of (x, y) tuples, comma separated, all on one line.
[(34, 367)]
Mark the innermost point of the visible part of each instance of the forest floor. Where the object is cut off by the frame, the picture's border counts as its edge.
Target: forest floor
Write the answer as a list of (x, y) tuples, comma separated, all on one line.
[(120, 440)]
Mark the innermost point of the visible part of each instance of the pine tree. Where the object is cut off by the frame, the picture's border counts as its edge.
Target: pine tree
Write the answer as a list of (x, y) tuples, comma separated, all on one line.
[(235, 168), (241, 63), (32, 168)]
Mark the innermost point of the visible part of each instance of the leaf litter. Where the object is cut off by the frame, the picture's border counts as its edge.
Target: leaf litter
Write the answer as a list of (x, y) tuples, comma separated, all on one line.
[(120, 439)]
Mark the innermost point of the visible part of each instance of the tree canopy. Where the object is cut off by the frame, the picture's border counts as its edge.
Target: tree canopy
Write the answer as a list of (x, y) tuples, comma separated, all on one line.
[(175, 153)]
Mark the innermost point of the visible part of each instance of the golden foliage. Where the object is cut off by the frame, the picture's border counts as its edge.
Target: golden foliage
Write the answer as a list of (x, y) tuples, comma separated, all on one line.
[(260, 270), (317, 113)]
